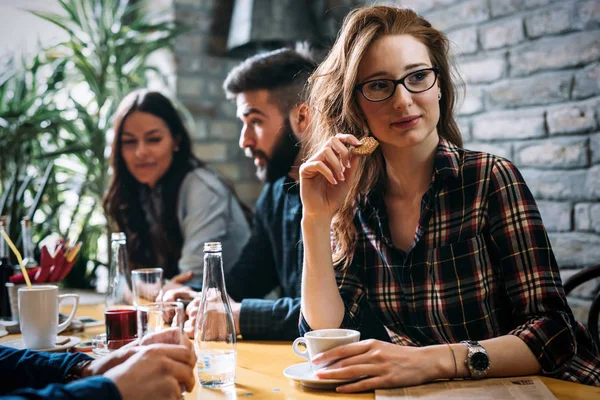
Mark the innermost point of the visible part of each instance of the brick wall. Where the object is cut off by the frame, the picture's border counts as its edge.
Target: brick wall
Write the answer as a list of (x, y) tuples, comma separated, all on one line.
[(532, 74), (201, 69)]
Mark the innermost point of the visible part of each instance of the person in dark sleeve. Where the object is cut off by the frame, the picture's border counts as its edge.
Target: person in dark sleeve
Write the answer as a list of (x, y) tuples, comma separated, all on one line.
[(155, 370), (269, 93)]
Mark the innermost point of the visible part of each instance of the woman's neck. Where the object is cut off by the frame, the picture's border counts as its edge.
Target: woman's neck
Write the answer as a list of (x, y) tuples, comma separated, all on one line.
[(409, 169)]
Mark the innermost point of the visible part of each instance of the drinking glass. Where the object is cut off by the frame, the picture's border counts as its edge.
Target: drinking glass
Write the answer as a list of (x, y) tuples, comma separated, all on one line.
[(146, 285), (155, 317)]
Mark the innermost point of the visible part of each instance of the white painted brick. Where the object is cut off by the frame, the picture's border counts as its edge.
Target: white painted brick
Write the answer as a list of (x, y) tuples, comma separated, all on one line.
[(464, 124), (556, 215), (503, 150), (190, 43), (587, 82), (575, 249), (592, 183), (463, 13), (595, 217), (463, 41), (189, 87), (595, 148), (540, 89), (571, 118), (424, 5), (231, 171), (551, 185), (214, 88), (587, 217), (200, 130), (588, 14), (504, 7), (473, 101), (227, 109), (197, 20), (501, 33), (562, 152), (227, 130), (483, 69), (500, 125), (556, 52), (188, 64), (583, 219), (211, 151), (551, 20)]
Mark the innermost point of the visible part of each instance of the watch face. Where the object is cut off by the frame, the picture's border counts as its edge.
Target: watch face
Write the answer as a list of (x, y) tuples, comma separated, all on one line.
[(480, 361)]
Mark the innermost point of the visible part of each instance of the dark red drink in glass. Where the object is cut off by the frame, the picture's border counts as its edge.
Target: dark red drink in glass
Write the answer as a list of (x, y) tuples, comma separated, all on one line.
[(121, 324)]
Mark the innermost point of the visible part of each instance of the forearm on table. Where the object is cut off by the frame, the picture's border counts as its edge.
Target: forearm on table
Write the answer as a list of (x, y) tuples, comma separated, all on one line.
[(262, 319), (509, 356), (322, 305)]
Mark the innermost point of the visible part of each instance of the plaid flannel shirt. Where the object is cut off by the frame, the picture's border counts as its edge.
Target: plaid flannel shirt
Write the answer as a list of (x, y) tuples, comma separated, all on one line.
[(481, 266)]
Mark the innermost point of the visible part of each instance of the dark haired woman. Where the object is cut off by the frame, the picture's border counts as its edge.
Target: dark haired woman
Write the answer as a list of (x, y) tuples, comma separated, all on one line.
[(168, 202)]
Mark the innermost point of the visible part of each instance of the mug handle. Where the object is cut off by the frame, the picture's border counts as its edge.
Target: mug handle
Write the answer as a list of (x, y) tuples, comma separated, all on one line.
[(75, 297), (303, 354)]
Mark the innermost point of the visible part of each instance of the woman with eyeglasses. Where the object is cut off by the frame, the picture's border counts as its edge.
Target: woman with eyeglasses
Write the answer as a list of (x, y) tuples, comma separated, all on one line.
[(445, 244)]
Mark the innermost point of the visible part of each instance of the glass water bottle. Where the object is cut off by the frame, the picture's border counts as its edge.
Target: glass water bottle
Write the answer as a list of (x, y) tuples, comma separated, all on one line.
[(215, 334), (28, 247)]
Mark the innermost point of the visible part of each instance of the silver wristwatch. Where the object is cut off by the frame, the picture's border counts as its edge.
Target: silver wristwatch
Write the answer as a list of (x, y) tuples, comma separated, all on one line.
[(478, 361)]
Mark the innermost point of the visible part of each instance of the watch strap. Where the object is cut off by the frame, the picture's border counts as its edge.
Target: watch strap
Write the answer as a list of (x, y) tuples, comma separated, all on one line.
[(76, 371)]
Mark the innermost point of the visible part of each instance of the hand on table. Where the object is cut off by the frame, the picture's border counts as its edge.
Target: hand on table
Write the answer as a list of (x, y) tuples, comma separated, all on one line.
[(192, 313), (177, 282), (168, 336), (384, 365), (180, 292), (157, 371)]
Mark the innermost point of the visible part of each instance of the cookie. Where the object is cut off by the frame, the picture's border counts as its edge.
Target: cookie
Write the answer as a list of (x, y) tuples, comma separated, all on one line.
[(367, 146)]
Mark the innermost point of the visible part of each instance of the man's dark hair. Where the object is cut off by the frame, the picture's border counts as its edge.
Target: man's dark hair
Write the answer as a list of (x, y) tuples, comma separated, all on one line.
[(282, 72)]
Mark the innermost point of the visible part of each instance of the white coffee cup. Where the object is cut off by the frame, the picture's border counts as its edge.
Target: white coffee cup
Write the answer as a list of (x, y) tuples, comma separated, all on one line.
[(38, 315), (321, 340)]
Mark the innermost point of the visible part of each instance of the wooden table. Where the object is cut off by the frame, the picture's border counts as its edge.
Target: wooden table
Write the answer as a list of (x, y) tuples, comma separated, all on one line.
[(259, 373)]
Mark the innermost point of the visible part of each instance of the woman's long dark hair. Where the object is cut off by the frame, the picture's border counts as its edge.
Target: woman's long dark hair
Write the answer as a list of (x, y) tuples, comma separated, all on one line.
[(146, 245)]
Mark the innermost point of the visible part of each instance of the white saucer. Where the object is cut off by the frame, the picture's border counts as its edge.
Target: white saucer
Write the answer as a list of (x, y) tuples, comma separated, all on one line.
[(304, 374), (3, 333), (19, 344)]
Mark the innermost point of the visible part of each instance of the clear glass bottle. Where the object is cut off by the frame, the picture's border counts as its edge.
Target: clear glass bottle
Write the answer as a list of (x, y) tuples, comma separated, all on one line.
[(120, 316), (6, 271), (215, 335), (28, 247)]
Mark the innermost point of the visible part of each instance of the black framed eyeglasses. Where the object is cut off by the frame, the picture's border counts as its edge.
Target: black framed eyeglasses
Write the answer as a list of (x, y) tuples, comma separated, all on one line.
[(382, 89)]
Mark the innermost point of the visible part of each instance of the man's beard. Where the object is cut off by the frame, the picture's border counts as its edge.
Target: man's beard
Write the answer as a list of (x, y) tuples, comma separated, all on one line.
[(282, 158)]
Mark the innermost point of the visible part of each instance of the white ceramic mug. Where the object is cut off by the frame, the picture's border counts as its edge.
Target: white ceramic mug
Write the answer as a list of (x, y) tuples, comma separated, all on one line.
[(321, 340), (38, 315)]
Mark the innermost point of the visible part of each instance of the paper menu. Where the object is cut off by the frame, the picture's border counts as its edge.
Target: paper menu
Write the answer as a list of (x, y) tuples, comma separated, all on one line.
[(526, 387)]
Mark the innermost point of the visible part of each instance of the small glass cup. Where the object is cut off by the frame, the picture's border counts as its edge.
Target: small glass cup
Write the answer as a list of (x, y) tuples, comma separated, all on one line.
[(155, 317), (146, 284)]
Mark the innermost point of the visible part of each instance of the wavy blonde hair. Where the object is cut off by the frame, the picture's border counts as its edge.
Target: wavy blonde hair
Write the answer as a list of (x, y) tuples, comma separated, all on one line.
[(332, 98)]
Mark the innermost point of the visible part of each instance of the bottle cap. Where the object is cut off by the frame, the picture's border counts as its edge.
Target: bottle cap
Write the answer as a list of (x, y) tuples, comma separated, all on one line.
[(212, 247), (117, 236)]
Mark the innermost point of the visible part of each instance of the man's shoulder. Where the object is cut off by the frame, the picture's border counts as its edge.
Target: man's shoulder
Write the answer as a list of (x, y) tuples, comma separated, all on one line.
[(273, 192)]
